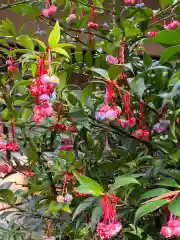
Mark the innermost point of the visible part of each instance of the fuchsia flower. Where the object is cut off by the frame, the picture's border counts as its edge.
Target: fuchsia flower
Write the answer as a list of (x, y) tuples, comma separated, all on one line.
[(109, 226), (172, 25), (173, 227), (112, 60), (5, 168), (2, 145), (49, 10), (71, 19), (108, 113), (12, 146), (129, 1)]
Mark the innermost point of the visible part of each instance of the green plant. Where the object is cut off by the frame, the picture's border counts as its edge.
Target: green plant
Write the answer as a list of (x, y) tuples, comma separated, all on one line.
[(80, 151)]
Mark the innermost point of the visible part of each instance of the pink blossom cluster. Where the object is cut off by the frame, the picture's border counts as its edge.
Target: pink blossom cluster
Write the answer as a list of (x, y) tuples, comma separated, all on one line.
[(5, 168), (42, 90), (49, 11), (172, 25), (142, 134), (11, 65), (112, 60), (108, 113), (11, 146), (108, 231), (129, 1), (172, 229)]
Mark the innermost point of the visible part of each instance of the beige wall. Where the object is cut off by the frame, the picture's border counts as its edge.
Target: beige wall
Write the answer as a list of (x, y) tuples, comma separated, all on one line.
[(30, 27)]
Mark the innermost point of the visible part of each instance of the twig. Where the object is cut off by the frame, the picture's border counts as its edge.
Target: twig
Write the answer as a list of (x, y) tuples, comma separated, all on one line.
[(100, 8)]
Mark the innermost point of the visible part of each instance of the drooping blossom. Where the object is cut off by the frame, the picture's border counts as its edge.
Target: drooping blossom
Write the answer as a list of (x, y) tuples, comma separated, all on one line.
[(129, 2), (161, 127), (172, 25), (109, 226), (140, 4), (112, 60), (108, 113), (173, 227), (49, 10)]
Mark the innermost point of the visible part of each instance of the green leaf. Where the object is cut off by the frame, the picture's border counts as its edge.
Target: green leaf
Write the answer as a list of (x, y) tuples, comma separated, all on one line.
[(40, 43), (55, 207), (26, 42), (147, 60), (102, 72), (61, 51), (54, 36), (114, 71), (138, 87), (165, 3), (170, 52), (33, 69), (154, 193), (79, 54), (169, 182), (7, 195), (92, 186), (26, 114), (133, 32), (62, 79), (122, 181), (174, 207), (95, 217), (117, 32), (88, 59), (25, 9), (83, 206), (85, 94), (148, 208), (31, 154), (168, 37)]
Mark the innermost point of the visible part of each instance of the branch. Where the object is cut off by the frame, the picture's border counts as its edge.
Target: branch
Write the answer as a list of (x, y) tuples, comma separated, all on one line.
[(100, 8)]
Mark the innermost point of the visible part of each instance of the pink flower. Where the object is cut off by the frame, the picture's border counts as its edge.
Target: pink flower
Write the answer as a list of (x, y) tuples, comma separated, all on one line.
[(2, 145), (44, 97), (176, 231), (48, 111), (12, 146), (38, 110), (167, 232), (38, 118)]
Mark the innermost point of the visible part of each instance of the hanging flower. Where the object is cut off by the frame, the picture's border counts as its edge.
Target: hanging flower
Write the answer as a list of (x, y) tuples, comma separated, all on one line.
[(129, 2), (152, 34), (142, 133), (49, 10), (172, 25), (140, 4), (109, 226), (112, 60), (173, 227), (12, 145), (108, 113), (161, 127), (5, 168)]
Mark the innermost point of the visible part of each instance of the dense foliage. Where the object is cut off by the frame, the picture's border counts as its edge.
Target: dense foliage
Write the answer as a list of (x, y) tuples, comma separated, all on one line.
[(96, 117)]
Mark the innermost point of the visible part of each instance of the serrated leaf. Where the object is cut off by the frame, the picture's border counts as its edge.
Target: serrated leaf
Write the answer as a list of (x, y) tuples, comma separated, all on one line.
[(92, 186), (83, 206), (174, 207), (122, 181), (169, 182), (54, 36), (154, 193), (148, 208)]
